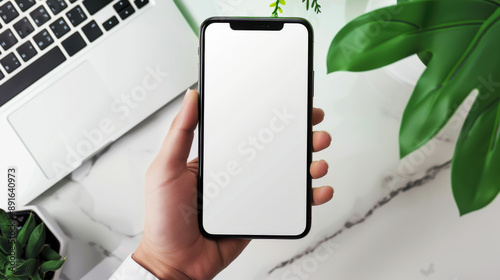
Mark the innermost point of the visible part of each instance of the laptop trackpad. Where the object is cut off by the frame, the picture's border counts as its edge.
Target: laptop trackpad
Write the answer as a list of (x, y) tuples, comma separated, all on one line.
[(67, 122)]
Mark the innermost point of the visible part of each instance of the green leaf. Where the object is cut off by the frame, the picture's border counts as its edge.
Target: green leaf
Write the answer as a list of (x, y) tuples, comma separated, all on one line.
[(442, 89), (36, 241), (3, 215), (26, 268), (387, 35), (50, 254), (4, 245), (474, 171), (3, 260), (459, 43), (17, 248), (423, 27), (280, 10), (26, 231), (4, 223), (425, 57), (35, 276), (8, 270), (51, 265), (282, 2), (272, 4)]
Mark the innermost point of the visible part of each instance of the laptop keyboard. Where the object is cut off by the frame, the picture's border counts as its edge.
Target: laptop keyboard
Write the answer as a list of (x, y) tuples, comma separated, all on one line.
[(36, 36)]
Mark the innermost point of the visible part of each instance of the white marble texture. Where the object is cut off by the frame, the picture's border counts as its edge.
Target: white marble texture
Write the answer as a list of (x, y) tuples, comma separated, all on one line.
[(389, 219)]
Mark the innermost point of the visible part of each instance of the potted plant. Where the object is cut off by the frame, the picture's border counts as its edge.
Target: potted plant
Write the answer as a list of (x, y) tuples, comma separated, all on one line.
[(30, 245), (458, 41)]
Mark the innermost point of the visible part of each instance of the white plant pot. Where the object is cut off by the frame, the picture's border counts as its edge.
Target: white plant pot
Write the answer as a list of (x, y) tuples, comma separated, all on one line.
[(53, 227)]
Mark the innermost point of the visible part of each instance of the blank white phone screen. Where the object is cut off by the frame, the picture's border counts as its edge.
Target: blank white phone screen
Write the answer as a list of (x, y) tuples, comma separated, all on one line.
[(255, 130)]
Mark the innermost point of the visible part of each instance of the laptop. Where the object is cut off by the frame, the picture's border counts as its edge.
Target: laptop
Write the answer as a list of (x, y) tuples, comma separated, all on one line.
[(75, 75)]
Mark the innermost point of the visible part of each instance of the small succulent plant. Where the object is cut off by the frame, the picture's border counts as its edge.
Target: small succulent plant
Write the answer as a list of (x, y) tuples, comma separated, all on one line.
[(23, 252)]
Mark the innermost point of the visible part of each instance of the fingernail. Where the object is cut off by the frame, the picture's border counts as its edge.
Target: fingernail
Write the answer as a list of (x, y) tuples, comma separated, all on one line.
[(187, 93)]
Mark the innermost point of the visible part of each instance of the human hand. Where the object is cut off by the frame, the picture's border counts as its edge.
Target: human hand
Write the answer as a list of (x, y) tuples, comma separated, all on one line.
[(172, 246)]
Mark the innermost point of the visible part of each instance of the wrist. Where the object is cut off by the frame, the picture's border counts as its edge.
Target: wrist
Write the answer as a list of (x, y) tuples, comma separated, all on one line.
[(159, 269)]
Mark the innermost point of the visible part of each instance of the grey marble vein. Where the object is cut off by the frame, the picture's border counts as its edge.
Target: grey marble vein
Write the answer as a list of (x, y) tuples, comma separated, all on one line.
[(88, 165), (104, 251), (430, 174), (107, 226)]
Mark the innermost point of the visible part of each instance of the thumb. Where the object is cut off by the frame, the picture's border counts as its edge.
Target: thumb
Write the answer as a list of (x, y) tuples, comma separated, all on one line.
[(177, 144)]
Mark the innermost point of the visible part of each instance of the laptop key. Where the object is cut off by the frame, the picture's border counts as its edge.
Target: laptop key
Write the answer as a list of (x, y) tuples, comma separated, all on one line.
[(43, 39), (110, 23), (7, 39), (56, 6), (40, 16), (125, 13), (23, 27), (59, 27), (94, 6), (1, 75), (74, 44), (76, 16), (10, 63), (24, 5), (92, 31), (8, 12), (29, 75), (141, 3), (121, 5), (26, 51)]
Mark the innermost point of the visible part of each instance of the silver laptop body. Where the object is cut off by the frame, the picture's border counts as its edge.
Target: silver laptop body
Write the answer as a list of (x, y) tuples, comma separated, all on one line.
[(80, 90)]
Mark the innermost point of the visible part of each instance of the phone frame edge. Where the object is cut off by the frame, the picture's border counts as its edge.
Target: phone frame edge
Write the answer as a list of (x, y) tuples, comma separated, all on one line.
[(310, 94)]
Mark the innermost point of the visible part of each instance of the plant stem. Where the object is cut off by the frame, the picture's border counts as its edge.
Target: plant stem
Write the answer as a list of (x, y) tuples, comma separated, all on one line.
[(314, 5), (275, 12)]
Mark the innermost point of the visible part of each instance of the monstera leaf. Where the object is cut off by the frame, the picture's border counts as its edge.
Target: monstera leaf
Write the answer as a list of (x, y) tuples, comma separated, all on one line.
[(459, 41)]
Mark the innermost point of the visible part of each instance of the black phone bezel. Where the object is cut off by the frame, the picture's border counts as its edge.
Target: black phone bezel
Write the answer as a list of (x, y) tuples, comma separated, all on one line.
[(255, 23)]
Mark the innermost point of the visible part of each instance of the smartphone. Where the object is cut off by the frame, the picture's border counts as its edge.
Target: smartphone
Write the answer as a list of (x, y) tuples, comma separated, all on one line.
[(255, 138)]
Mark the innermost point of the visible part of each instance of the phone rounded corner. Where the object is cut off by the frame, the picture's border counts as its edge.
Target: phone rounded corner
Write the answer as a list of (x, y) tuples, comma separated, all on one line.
[(307, 229), (304, 22), (207, 22), (304, 233), (203, 231)]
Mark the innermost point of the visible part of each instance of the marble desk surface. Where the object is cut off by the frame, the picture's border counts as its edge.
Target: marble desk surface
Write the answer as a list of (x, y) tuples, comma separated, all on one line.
[(389, 219)]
